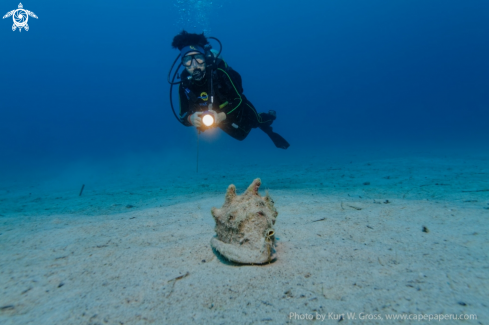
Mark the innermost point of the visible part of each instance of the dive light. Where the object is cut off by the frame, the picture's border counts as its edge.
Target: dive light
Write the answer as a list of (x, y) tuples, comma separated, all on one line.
[(207, 118)]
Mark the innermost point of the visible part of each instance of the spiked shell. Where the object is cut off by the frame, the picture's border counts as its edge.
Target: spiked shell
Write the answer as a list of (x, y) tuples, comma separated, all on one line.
[(244, 226)]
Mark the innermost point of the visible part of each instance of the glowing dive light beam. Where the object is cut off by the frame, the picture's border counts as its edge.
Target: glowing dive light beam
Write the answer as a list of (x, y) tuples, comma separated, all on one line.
[(208, 119)]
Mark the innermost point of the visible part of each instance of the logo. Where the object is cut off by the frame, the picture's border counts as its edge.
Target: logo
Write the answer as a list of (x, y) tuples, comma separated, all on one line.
[(20, 17), (193, 47), (204, 96)]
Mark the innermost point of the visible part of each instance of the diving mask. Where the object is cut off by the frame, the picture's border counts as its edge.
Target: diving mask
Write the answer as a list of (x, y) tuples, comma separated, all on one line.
[(187, 59)]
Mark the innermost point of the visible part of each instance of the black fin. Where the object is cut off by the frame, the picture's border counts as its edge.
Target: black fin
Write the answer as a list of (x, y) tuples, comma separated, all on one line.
[(277, 139)]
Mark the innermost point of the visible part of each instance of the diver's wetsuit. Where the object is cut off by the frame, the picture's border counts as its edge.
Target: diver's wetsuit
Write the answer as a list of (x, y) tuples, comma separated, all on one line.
[(241, 115)]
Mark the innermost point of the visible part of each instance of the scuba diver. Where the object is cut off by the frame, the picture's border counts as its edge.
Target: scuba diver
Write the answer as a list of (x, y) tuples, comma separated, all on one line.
[(211, 90)]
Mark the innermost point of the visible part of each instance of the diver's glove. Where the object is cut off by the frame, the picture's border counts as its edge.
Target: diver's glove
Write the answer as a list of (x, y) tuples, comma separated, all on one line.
[(218, 117), (195, 119)]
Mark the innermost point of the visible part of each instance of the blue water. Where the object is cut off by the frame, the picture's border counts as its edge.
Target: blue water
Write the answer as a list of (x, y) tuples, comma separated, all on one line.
[(88, 80), (384, 103)]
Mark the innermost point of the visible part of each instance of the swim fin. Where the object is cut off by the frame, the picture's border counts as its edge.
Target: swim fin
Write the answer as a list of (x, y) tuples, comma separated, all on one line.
[(276, 138)]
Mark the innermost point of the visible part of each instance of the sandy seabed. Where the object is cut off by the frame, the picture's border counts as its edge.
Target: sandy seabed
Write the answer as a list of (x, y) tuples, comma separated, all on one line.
[(373, 237)]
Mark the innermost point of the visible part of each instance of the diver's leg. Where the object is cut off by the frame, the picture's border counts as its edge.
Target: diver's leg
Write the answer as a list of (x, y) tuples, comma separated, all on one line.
[(264, 122), (238, 132), (258, 119)]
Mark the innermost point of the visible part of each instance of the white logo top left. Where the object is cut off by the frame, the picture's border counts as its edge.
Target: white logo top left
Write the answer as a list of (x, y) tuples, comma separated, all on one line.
[(20, 17)]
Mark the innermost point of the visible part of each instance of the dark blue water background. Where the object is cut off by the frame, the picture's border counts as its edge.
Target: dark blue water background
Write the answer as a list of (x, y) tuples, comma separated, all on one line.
[(88, 80)]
